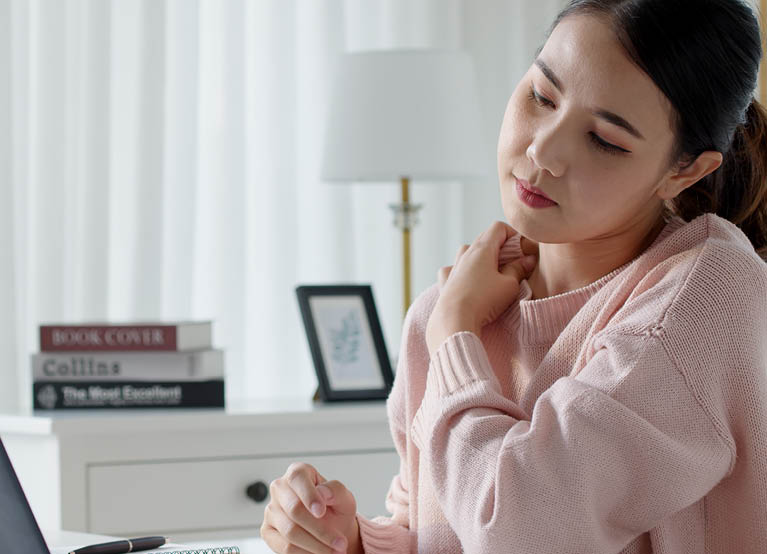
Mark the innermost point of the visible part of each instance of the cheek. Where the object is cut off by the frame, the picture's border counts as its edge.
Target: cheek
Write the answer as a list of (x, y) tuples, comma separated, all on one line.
[(607, 196)]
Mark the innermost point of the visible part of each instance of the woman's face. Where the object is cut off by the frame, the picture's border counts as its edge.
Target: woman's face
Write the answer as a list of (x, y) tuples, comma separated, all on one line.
[(604, 178)]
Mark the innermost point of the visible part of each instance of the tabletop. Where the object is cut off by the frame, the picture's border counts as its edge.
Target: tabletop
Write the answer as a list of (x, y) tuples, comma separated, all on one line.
[(62, 542)]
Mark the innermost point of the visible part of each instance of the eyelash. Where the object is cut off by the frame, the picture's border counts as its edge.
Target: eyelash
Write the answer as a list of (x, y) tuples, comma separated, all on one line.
[(596, 141)]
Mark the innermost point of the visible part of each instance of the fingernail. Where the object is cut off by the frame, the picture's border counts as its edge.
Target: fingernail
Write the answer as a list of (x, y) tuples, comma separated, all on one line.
[(339, 543), (325, 492), (317, 509)]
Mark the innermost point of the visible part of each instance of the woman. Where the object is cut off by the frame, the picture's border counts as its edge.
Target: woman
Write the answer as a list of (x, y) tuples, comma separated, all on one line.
[(610, 397)]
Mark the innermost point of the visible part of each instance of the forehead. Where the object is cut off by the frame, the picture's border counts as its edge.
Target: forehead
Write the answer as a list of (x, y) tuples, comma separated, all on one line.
[(596, 72)]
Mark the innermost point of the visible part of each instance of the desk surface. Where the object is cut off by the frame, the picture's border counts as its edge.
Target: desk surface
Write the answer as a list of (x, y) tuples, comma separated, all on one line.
[(60, 542), (262, 413), (253, 545)]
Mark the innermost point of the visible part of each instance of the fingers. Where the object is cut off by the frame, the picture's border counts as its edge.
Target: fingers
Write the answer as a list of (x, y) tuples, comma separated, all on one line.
[(461, 251), (528, 246), (521, 268), (288, 535), (274, 540), (303, 479), (443, 273), (293, 496), (498, 233), (289, 516), (337, 495)]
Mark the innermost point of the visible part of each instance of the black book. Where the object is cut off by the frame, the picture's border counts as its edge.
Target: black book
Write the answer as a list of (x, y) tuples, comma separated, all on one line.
[(76, 395)]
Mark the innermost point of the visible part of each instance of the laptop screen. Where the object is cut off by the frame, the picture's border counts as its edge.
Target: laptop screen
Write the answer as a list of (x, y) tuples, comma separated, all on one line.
[(19, 531)]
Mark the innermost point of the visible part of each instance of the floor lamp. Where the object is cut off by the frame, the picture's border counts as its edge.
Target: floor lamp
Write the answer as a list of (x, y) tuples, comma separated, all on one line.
[(402, 115)]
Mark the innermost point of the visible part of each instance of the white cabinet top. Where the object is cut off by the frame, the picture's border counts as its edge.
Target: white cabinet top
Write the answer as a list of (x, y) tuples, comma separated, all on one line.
[(273, 412)]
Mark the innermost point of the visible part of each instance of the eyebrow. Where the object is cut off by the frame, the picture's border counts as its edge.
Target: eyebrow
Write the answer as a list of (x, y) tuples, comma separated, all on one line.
[(608, 116)]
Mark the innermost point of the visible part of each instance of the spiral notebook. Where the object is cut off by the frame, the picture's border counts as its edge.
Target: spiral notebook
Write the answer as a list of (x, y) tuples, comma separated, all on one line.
[(215, 550)]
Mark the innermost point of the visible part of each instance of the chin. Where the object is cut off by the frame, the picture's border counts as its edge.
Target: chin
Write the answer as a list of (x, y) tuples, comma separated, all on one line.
[(521, 220), (539, 229)]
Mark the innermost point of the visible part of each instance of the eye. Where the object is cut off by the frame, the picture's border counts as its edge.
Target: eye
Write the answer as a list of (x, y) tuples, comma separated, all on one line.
[(595, 140), (538, 99), (606, 146)]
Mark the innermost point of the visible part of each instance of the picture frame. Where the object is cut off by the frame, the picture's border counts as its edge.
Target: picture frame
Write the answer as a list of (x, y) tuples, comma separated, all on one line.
[(346, 342)]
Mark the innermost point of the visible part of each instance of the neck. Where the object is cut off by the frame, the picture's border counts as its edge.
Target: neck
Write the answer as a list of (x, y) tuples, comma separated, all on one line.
[(565, 267)]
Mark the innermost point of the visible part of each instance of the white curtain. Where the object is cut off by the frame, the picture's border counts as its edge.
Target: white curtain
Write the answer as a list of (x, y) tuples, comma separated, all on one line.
[(161, 161)]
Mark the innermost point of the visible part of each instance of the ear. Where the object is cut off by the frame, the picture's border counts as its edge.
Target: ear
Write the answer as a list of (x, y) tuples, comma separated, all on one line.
[(706, 163)]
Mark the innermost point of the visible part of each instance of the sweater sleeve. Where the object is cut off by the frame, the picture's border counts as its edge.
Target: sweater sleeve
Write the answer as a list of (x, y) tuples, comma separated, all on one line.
[(605, 456), (383, 534)]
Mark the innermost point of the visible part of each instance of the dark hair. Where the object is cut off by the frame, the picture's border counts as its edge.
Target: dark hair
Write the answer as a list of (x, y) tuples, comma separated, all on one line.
[(704, 56)]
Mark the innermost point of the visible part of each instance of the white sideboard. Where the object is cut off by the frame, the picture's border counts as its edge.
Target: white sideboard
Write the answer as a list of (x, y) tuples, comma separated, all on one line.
[(185, 473)]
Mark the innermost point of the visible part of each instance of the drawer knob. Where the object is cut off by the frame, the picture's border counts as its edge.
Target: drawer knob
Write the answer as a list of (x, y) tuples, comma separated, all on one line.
[(257, 492)]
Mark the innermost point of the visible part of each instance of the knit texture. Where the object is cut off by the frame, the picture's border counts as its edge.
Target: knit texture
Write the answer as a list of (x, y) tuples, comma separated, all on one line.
[(625, 417)]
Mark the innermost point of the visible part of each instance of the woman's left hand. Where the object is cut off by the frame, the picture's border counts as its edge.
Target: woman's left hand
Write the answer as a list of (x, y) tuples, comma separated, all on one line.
[(477, 291)]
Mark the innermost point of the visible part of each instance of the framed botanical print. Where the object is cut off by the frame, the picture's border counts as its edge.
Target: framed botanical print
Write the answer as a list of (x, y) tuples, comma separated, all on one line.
[(346, 342)]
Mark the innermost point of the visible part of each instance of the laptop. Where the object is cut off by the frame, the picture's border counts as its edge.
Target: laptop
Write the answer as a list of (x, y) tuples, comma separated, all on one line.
[(19, 531)]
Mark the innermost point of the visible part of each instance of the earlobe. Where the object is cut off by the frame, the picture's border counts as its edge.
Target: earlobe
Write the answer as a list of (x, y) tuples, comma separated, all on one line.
[(705, 164)]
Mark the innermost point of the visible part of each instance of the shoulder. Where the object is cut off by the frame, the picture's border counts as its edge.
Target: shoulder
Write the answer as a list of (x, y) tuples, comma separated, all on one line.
[(699, 304), (703, 293), (703, 275), (718, 313), (714, 326), (722, 282)]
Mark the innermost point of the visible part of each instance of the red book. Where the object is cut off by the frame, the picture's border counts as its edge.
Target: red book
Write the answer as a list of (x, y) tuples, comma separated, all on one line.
[(99, 337)]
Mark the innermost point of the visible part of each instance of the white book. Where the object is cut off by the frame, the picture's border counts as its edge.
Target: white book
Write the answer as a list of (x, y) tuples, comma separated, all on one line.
[(128, 366)]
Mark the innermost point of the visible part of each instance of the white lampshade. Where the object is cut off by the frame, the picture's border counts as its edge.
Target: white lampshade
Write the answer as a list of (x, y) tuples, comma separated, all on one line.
[(404, 113)]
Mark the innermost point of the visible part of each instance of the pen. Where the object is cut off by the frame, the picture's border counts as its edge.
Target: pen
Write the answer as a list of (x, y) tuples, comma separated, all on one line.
[(122, 547)]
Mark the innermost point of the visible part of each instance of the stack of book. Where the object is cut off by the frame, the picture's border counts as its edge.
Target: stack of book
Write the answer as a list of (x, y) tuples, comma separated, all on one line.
[(131, 365)]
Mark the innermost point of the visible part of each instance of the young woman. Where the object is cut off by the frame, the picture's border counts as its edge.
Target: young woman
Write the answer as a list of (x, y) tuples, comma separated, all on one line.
[(610, 397)]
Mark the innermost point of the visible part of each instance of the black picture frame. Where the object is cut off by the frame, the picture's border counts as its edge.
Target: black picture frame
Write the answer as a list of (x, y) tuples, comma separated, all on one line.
[(346, 342)]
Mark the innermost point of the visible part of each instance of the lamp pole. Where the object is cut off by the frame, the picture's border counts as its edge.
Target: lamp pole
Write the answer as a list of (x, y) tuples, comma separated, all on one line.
[(405, 218)]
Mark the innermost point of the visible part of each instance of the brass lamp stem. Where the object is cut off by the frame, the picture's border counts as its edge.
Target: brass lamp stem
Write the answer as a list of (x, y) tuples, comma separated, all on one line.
[(406, 248), (405, 218)]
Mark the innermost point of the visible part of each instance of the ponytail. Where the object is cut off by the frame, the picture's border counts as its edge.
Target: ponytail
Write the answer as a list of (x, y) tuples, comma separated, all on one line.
[(737, 190)]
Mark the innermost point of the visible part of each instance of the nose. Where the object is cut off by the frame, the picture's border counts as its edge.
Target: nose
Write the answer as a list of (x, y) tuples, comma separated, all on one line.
[(549, 149)]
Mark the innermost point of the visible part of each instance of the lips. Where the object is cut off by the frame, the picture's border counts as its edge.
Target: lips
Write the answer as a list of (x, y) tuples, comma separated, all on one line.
[(535, 190)]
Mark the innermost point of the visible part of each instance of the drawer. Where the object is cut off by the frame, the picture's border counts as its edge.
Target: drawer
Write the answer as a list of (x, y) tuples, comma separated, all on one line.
[(164, 497)]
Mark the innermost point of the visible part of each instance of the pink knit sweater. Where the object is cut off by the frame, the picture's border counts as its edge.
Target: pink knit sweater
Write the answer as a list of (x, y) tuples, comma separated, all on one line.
[(627, 416)]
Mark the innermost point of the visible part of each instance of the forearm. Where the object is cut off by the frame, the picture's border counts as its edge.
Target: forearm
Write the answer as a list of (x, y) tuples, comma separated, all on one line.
[(576, 457)]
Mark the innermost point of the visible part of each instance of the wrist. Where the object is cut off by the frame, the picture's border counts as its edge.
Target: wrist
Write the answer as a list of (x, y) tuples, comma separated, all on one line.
[(444, 324), (453, 318)]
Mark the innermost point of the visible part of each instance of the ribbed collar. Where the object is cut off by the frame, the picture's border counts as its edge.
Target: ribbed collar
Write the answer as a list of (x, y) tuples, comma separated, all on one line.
[(542, 320)]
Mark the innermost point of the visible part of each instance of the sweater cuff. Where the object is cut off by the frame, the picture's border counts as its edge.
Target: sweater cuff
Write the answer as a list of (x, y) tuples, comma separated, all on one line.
[(460, 362), (461, 359), (384, 538)]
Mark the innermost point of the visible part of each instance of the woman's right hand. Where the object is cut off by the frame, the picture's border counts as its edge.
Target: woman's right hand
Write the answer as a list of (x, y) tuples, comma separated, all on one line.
[(527, 246), (291, 527)]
